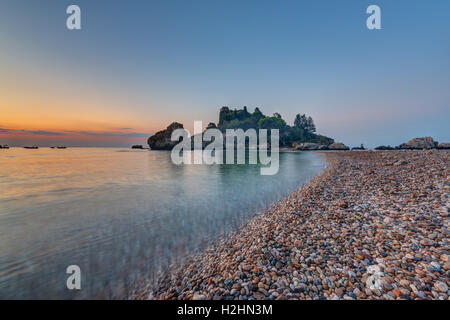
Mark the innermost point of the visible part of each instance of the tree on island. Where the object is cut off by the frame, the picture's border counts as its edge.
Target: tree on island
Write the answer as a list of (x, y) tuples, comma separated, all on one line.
[(299, 120), (275, 122), (277, 115), (302, 131), (306, 123)]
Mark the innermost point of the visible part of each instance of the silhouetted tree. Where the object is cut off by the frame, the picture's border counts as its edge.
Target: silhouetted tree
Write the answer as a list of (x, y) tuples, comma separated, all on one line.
[(305, 123), (302, 131), (310, 126), (300, 121)]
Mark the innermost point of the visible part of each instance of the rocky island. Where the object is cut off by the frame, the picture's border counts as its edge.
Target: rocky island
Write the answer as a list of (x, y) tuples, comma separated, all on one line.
[(301, 136)]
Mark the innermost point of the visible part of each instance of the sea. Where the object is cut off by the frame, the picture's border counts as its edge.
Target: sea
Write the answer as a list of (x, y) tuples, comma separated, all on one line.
[(121, 215)]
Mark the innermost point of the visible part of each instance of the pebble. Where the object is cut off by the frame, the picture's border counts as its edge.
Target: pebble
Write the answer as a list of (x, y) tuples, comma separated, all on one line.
[(441, 286)]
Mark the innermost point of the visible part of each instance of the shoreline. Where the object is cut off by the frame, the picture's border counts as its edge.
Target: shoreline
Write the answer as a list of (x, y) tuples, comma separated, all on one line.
[(371, 225)]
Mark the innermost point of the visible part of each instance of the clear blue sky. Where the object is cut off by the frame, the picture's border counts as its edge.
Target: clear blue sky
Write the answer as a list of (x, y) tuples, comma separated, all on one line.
[(142, 64)]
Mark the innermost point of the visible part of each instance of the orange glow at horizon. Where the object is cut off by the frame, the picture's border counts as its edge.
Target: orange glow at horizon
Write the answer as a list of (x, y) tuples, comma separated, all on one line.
[(38, 113), (79, 119)]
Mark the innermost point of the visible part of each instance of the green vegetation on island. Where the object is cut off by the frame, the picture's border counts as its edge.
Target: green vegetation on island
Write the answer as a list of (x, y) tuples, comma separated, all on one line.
[(301, 136), (302, 131)]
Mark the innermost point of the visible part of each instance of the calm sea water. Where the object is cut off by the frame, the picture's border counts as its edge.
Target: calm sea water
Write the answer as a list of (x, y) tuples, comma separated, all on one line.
[(120, 215)]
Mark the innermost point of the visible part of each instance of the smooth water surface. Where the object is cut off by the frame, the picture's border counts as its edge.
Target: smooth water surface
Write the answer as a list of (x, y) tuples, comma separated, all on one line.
[(120, 214)]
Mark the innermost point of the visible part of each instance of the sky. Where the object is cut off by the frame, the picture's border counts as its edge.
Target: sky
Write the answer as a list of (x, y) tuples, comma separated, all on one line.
[(136, 66)]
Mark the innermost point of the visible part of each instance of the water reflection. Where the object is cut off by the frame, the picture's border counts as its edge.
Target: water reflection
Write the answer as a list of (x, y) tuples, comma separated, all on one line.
[(119, 214)]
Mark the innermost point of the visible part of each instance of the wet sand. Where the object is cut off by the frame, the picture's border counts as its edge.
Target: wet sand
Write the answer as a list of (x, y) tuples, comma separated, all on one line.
[(373, 225)]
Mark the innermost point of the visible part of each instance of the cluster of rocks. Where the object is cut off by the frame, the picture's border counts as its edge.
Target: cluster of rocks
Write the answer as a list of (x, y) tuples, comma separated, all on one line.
[(444, 145), (373, 225), (424, 143), (361, 147), (384, 148), (419, 144), (308, 146), (338, 146)]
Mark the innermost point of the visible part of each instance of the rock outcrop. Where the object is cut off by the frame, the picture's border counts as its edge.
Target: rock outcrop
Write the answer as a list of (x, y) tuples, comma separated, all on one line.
[(419, 144), (361, 147), (161, 140), (444, 145), (384, 148), (307, 146), (338, 146)]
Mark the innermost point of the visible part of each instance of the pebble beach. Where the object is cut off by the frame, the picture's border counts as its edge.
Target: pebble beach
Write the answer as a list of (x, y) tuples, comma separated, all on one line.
[(372, 225)]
